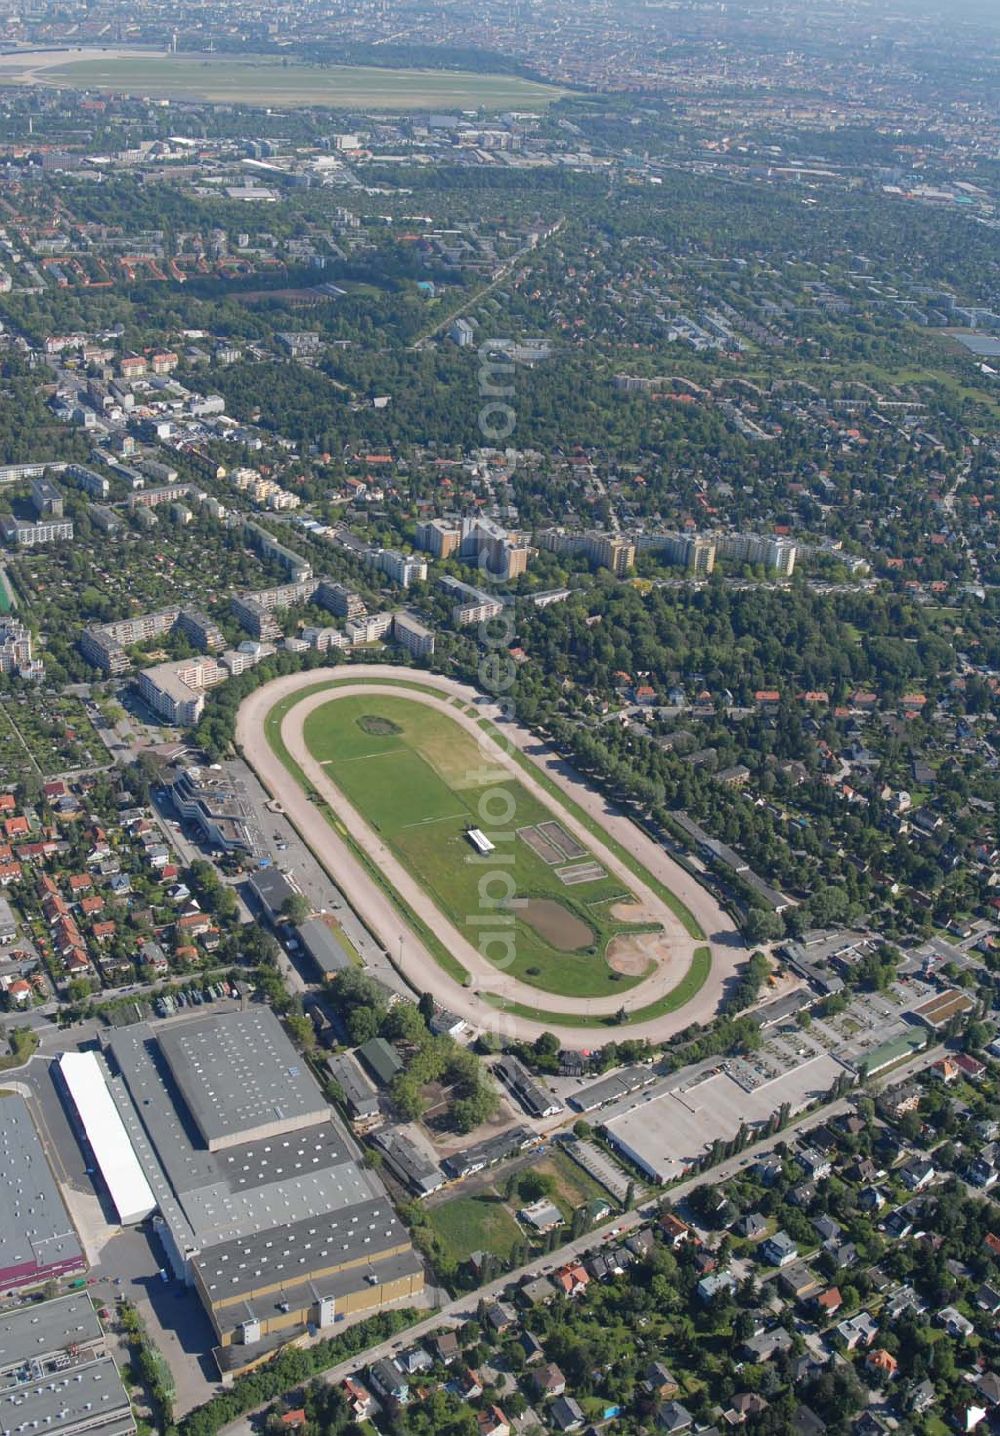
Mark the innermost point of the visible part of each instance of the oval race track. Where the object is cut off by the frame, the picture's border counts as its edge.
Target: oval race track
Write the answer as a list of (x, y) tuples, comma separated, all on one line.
[(387, 923)]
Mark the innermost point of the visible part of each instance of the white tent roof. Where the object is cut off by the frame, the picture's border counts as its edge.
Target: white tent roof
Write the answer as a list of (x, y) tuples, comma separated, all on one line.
[(109, 1141)]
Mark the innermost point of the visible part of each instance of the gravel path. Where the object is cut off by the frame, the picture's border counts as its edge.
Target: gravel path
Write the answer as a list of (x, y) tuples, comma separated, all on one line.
[(378, 912)]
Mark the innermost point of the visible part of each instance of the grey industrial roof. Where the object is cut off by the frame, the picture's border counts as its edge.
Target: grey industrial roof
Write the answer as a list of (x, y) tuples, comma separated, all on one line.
[(34, 1223), (293, 1252), (243, 1189), (77, 1399), (609, 1089), (272, 888), (411, 1163), (238, 1072), (357, 1089), (294, 1154), (321, 945), (34, 1332)]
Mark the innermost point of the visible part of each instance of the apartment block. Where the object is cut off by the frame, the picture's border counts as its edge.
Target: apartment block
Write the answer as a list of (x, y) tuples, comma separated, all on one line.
[(46, 499), (438, 538), (413, 635), (22, 533), (298, 568), (611, 551), (401, 568), (15, 650), (472, 605), (176, 691), (104, 645), (368, 629), (777, 554)]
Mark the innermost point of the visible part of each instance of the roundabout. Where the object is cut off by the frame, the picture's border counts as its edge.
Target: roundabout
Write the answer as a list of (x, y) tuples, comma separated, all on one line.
[(495, 878)]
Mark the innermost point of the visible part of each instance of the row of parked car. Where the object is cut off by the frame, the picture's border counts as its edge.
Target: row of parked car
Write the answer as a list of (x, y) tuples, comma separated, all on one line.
[(172, 1002)]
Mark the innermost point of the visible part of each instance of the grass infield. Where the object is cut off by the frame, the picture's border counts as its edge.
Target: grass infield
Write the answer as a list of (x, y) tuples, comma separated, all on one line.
[(270, 81), (362, 746)]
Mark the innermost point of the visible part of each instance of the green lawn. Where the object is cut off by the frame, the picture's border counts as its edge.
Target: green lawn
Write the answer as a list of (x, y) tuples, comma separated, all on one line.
[(470, 1224), (421, 785), (690, 983), (573, 1186), (261, 81)]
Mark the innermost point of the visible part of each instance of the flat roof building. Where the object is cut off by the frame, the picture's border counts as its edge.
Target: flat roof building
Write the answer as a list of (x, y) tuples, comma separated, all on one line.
[(23, 533), (46, 499), (176, 690), (272, 890), (241, 1078), (610, 1089), (277, 1230), (41, 1333), (37, 1239), (105, 1132), (413, 635), (81, 1398)]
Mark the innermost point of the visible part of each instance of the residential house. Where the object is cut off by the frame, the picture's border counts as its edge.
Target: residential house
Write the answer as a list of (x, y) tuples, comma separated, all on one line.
[(716, 1282), (881, 1364), (414, 1360), (778, 1250), (744, 1405), (444, 1347), (816, 1165), (539, 1291), (565, 1414), (859, 1330), (917, 1173), (658, 1380), (571, 1279), (828, 1302), (389, 1382), (954, 1323), (674, 1418), (675, 1232), (797, 1281), (358, 1397), (548, 1380), (752, 1226), (765, 1345), (492, 1422)]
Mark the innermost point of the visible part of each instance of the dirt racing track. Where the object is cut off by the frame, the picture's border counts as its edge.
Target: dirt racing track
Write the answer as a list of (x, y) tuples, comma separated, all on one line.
[(480, 1001)]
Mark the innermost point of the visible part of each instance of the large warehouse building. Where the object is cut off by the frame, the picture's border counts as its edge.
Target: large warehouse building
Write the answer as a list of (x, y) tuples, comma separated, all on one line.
[(262, 1199), (241, 1078), (37, 1240), (56, 1375)]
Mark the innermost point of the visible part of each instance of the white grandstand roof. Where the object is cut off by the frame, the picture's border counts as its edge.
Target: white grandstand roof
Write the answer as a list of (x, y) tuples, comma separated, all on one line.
[(125, 1180)]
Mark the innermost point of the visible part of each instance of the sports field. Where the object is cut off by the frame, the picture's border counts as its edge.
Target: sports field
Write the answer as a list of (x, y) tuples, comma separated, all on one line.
[(267, 81), (419, 781)]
